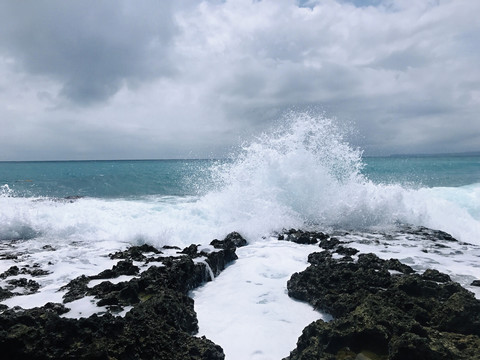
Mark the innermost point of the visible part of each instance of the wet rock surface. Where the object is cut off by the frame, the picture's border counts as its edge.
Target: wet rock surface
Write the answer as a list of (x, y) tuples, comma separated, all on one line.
[(382, 309), (160, 324), (20, 286)]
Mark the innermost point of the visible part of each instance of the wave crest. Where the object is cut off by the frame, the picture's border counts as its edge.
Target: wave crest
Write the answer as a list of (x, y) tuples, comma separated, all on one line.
[(305, 173)]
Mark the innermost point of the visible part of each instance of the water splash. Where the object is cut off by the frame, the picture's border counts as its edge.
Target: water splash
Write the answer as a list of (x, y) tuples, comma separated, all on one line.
[(5, 191), (305, 174), (302, 174)]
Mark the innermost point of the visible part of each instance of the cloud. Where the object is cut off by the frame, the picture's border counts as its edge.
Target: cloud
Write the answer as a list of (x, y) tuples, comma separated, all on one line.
[(91, 47), (164, 79)]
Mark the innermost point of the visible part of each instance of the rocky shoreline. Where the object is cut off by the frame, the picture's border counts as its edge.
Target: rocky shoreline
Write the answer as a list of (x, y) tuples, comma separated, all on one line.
[(382, 309), (160, 325)]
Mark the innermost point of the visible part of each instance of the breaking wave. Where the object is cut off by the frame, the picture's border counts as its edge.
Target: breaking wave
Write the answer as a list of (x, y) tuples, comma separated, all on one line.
[(304, 173)]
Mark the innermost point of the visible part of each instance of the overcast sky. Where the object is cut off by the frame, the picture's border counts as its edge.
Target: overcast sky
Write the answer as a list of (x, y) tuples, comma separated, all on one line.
[(132, 79)]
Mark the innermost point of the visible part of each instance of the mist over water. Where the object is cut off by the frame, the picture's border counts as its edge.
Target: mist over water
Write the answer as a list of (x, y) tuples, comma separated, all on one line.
[(302, 174)]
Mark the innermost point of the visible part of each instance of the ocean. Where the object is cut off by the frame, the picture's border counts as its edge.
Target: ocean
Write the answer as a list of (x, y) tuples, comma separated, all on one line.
[(304, 174)]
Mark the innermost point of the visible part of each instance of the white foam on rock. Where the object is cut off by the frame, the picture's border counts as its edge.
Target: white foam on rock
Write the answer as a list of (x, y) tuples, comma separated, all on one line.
[(459, 260)]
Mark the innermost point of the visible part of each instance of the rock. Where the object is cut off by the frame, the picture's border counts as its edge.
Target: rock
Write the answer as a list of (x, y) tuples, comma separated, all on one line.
[(159, 326), (428, 234), (475, 283), (12, 271), (121, 268), (218, 260), (191, 250), (236, 238), (5, 294), (319, 257), (303, 237), (306, 239), (232, 240), (380, 316), (169, 247), (329, 244), (435, 275), (342, 250), (77, 288), (30, 286), (395, 264), (135, 253), (58, 309)]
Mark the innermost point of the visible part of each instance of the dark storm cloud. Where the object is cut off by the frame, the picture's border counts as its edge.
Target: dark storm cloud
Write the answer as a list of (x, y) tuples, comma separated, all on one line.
[(90, 47)]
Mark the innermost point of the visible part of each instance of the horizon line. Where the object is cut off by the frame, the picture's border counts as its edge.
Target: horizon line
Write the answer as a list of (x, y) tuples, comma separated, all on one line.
[(463, 153)]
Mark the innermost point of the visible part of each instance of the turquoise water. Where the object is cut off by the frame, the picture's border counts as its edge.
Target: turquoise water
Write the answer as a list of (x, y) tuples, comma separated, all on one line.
[(103, 179), (302, 174), (120, 179), (424, 171)]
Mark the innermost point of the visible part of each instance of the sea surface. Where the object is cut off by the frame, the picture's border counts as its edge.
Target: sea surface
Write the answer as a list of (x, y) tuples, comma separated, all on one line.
[(304, 174)]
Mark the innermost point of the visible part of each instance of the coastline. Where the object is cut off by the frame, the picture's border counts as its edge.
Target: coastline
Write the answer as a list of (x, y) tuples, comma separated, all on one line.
[(159, 317)]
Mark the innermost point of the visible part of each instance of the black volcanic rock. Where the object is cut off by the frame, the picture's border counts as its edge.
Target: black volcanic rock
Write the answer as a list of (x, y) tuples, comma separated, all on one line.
[(14, 271), (121, 268), (347, 251), (303, 237), (382, 316), (76, 288), (158, 328), (435, 275), (5, 294), (30, 286), (135, 253), (329, 244), (160, 324), (236, 238)]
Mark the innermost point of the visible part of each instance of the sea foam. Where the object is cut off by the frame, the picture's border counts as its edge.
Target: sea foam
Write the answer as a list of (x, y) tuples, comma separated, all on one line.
[(305, 174), (302, 174)]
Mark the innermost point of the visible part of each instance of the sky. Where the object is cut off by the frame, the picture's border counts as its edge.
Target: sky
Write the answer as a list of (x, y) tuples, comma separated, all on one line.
[(156, 79)]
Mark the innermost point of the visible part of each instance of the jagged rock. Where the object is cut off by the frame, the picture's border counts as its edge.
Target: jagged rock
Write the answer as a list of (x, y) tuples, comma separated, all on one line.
[(169, 247), (236, 238), (30, 286), (77, 288), (219, 259), (5, 294), (475, 283), (232, 240), (429, 234), (14, 271), (191, 250), (435, 275), (159, 326), (121, 268), (342, 250), (303, 237), (329, 244), (396, 265), (384, 316), (135, 253)]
